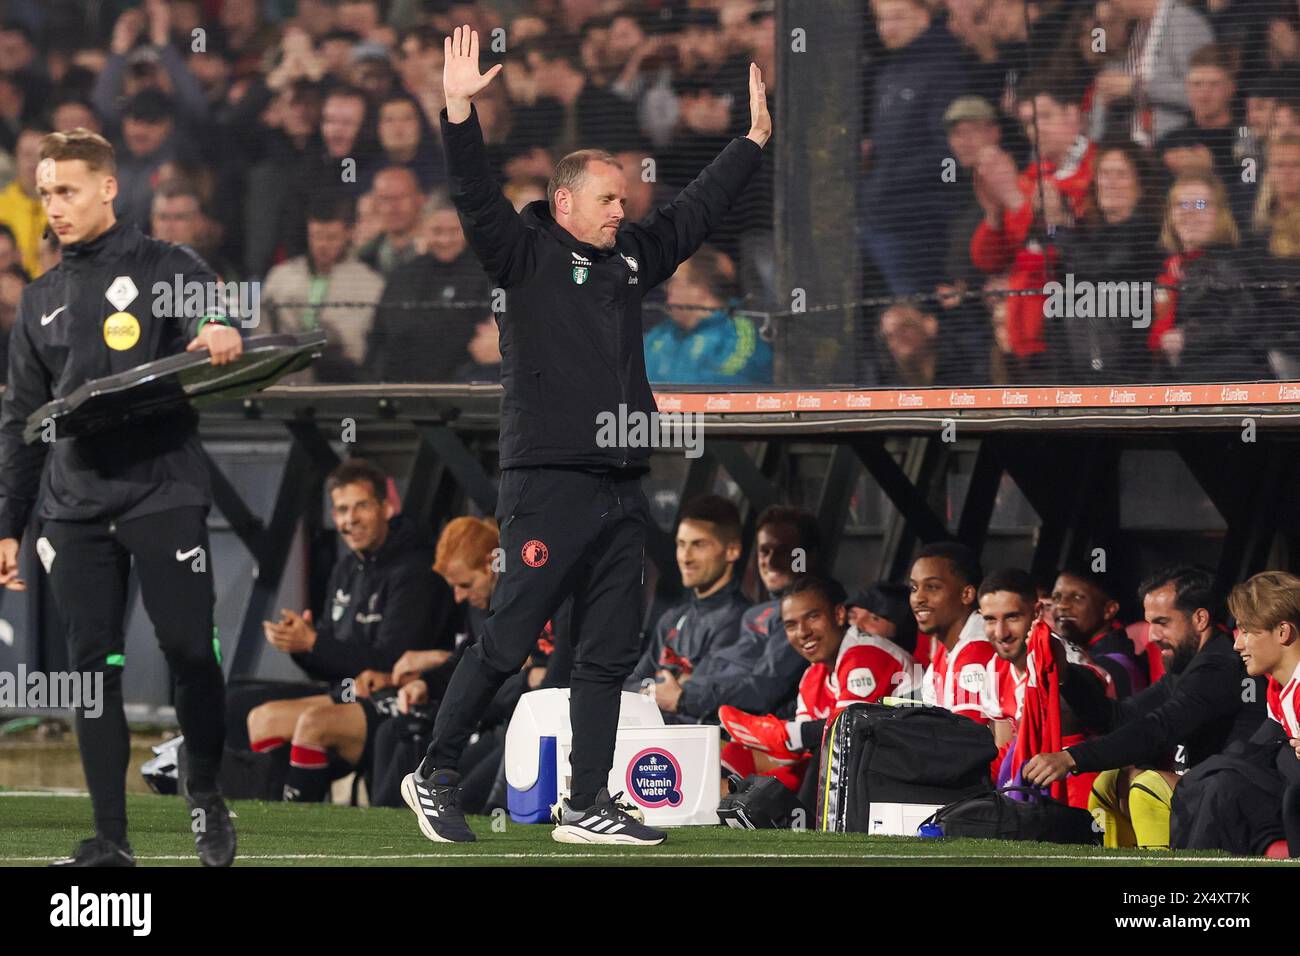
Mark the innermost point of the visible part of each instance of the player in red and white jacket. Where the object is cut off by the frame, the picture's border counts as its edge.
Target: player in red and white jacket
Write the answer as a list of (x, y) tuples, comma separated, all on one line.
[(1267, 609), (847, 666), (1009, 610), (945, 579)]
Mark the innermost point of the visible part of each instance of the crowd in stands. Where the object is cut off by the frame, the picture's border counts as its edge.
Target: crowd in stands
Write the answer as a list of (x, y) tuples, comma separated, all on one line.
[(1135, 706), (1143, 153), (1148, 150), (297, 144)]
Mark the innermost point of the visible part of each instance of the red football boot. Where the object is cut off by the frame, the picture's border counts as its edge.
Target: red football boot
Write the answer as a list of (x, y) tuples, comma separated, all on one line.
[(766, 733)]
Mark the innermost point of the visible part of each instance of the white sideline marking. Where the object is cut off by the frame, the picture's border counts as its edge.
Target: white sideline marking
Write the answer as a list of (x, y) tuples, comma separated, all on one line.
[(44, 793), (642, 854)]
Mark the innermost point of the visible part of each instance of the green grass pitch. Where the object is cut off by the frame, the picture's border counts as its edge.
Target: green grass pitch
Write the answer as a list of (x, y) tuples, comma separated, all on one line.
[(38, 828)]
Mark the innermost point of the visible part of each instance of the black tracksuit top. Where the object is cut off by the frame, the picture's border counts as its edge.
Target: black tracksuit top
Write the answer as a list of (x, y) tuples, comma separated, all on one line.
[(58, 343), (380, 605), (1189, 716), (571, 344)]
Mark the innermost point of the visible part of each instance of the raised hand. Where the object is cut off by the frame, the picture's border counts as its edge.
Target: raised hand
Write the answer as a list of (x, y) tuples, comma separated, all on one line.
[(460, 76), (760, 122)]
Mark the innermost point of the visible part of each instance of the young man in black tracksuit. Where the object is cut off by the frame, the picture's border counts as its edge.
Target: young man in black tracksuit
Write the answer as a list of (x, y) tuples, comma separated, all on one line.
[(760, 671), (137, 493), (384, 599), (691, 635), (573, 516)]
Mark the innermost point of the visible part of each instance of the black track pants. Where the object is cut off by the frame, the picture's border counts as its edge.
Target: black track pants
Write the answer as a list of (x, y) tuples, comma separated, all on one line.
[(88, 575), (562, 532)]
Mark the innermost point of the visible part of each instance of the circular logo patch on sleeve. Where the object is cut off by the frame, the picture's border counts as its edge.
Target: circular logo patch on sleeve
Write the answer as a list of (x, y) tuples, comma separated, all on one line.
[(534, 553), (121, 331)]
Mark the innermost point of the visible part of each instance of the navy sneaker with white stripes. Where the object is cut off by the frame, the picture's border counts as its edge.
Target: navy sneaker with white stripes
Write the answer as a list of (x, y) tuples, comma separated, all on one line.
[(435, 801), (605, 821)]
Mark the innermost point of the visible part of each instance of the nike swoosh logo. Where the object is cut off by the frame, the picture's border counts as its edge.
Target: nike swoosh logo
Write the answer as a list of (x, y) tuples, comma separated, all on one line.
[(186, 555), (47, 319)]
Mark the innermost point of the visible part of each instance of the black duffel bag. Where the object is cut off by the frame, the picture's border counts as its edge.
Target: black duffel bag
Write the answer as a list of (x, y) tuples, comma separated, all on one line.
[(999, 816), (761, 802), (872, 753)]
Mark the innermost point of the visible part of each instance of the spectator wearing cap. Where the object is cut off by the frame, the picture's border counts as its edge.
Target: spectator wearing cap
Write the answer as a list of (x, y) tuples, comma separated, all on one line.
[(704, 342), (148, 139), (972, 125), (885, 609), (431, 343), (21, 209), (134, 66), (921, 75), (372, 71), (299, 293)]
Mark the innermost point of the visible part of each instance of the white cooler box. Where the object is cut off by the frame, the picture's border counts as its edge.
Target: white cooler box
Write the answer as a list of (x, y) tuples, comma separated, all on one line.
[(671, 772)]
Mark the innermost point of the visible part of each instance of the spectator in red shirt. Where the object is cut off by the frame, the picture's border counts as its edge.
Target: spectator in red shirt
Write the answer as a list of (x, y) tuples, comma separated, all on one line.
[(1022, 211)]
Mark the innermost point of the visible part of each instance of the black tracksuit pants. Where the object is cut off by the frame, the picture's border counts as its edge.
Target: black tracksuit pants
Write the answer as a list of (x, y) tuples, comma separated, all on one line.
[(562, 532), (88, 576)]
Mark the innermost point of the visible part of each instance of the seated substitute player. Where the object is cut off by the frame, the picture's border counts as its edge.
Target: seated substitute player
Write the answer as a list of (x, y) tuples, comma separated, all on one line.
[(1008, 602), (1085, 613), (1200, 705), (760, 671), (136, 495), (1267, 611), (468, 549), (708, 547), (885, 609), (846, 666), (944, 581), (385, 599), (1235, 801)]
